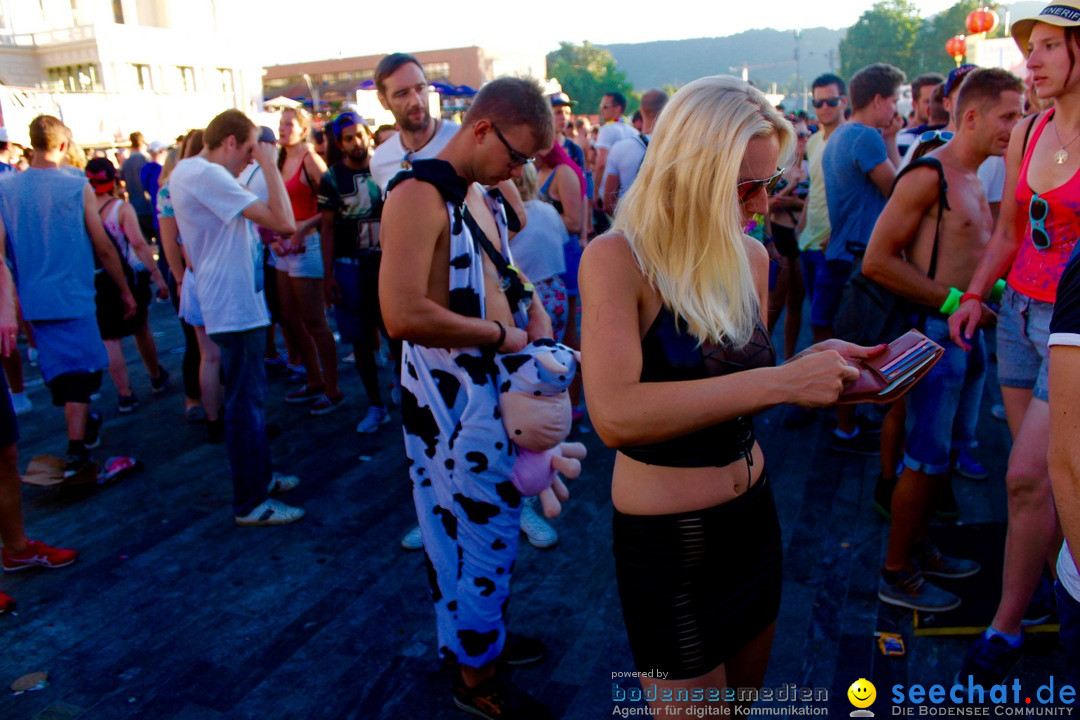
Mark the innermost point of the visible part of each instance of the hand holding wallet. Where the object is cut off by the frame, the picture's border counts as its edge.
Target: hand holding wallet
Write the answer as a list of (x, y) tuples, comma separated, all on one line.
[(886, 377)]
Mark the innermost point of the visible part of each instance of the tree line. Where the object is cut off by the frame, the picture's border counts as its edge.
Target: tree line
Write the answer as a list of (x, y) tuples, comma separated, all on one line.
[(890, 31)]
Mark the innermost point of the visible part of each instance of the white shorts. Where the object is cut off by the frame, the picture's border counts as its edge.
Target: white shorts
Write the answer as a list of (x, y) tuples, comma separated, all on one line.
[(190, 310), (309, 264)]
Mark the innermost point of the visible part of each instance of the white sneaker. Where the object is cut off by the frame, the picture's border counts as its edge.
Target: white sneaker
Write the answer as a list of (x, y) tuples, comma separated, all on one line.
[(282, 483), (21, 403), (271, 512), (375, 417), (413, 539), (536, 528)]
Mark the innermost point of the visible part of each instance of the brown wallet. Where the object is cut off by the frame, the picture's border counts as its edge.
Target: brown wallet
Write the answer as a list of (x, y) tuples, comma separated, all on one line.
[(886, 377)]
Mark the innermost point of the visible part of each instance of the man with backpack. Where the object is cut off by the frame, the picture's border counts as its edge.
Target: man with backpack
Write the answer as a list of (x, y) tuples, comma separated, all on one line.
[(926, 244)]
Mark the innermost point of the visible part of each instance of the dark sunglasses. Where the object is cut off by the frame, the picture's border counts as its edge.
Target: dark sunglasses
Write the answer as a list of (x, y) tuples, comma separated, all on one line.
[(831, 102), (516, 159), (1038, 210), (748, 188)]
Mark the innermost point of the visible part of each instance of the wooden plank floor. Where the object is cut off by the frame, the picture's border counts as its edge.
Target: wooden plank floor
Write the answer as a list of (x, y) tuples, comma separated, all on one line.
[(173, 612)]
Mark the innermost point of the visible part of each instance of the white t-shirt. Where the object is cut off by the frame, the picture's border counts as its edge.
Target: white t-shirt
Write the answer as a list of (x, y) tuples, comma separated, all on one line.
[(612, 132), (1067, 573), (992, 176), (624, 161), (224, 249), (386, 162)]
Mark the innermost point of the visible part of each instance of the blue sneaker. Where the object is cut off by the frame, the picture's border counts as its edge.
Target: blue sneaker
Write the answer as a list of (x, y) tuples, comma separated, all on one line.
[(970, 468), (989, 661)]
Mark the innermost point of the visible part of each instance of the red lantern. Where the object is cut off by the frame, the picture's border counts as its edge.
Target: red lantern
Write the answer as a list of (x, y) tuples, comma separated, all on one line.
[(956, 46), (982, 20)]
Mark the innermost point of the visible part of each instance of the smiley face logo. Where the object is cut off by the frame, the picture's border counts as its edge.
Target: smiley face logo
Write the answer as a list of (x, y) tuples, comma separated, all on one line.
[(862, 693)]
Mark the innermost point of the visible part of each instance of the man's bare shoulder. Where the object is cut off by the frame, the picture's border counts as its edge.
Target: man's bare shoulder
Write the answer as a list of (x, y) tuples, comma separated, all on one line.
[(412, 199), (919, 184)]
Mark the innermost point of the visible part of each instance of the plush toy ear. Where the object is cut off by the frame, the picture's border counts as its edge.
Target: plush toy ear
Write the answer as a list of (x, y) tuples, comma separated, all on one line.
[(548, 361)]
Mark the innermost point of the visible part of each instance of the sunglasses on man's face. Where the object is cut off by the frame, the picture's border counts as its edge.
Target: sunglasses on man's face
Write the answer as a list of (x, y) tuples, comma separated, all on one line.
[(749, 188), (1038, 210), (831, 102), (516, 159)]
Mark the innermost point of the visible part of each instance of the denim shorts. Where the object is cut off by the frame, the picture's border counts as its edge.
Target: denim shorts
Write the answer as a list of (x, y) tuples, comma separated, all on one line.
[(943, 407), (1023, 333), (825, 281)]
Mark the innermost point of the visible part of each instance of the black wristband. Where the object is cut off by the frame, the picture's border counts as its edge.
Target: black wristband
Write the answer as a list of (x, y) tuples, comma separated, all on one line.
[(502, 335)]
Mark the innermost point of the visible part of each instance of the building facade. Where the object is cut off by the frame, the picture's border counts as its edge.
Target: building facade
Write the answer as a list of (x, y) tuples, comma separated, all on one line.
[(337, 80), (108, 67)]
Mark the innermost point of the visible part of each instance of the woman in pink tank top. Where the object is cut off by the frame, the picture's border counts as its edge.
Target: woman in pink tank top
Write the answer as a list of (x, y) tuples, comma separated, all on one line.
[(1031, 244), (300, 269)]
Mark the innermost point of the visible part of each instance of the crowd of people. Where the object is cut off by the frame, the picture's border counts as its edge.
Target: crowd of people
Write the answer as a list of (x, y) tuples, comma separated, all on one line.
[(666, 252)]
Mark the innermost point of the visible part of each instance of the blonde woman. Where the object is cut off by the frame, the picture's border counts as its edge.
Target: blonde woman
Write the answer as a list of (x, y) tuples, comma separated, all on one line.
[(676, 362)]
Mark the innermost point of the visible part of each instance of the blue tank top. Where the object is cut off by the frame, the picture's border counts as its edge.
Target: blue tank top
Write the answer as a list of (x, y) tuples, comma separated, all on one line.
[(51, 254)]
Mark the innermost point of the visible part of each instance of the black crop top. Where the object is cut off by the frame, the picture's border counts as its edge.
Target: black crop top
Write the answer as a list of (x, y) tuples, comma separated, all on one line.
[(670, 353)]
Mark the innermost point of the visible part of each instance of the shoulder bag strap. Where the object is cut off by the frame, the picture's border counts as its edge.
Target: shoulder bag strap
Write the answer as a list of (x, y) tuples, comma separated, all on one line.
[(943, 201)]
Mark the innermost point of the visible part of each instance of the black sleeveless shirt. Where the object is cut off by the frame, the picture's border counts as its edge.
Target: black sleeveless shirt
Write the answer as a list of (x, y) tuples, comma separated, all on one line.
[(670, 353)]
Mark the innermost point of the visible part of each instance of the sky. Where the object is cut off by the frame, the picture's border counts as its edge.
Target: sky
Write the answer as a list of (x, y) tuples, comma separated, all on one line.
[(369, 28)]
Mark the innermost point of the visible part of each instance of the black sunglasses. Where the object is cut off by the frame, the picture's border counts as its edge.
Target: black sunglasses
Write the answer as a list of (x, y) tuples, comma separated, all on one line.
[(1038, 210), (748, 188), (831, 102), (516, 159)]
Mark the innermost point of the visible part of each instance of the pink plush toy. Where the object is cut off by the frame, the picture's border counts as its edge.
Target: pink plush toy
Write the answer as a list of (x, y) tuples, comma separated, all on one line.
[(535, 409)]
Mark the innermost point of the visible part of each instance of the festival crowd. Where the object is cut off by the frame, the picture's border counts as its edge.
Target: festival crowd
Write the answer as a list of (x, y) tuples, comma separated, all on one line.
[(486, 259)]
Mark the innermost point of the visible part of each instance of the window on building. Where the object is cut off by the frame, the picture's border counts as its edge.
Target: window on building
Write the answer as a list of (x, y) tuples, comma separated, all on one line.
[(73, 78), (187, 78), (142, 77), (118, 12), (226, 77), (437, 71)]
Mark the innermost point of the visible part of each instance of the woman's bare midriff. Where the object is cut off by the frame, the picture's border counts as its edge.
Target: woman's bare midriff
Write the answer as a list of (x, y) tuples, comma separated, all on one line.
[(640, 489)]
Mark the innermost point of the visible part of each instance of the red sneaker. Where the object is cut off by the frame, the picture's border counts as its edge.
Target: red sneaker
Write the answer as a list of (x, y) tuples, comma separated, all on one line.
[(6, 603), (37, 553)]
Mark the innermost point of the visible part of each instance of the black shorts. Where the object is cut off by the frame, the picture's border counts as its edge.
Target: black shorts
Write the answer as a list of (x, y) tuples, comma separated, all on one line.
[(74, 387), (9, 426), (698, 586), (786, 244), (110, 308)]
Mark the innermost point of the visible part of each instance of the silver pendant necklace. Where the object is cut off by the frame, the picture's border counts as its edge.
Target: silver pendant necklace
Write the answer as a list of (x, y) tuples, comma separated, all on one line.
[(1062, 155)]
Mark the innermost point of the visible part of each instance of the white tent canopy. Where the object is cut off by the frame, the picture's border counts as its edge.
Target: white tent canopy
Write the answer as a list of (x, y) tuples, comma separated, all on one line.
[(281, 102)]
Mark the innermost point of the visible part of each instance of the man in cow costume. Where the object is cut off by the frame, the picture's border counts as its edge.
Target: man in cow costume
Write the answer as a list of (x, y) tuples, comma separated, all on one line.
[(449, 290)]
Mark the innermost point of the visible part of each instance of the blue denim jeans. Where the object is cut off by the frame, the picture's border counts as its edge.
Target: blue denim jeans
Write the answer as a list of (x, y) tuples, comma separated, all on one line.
[(1069, 613), (943, 407), (245, 415)]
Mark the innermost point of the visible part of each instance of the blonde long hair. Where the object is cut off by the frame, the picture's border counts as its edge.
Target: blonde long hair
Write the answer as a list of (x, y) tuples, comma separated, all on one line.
[(682, 216)]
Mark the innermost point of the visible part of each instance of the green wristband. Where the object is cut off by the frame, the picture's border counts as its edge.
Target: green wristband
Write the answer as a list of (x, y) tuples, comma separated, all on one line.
[(997, 291), (952, 302)]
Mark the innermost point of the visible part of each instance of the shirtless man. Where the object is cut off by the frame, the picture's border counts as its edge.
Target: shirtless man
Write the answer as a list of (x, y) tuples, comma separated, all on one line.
[(944, 406), (442, 295)]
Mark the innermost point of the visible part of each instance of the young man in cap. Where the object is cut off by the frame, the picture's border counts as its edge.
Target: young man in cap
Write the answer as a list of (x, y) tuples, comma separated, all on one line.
[(351, 204)]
